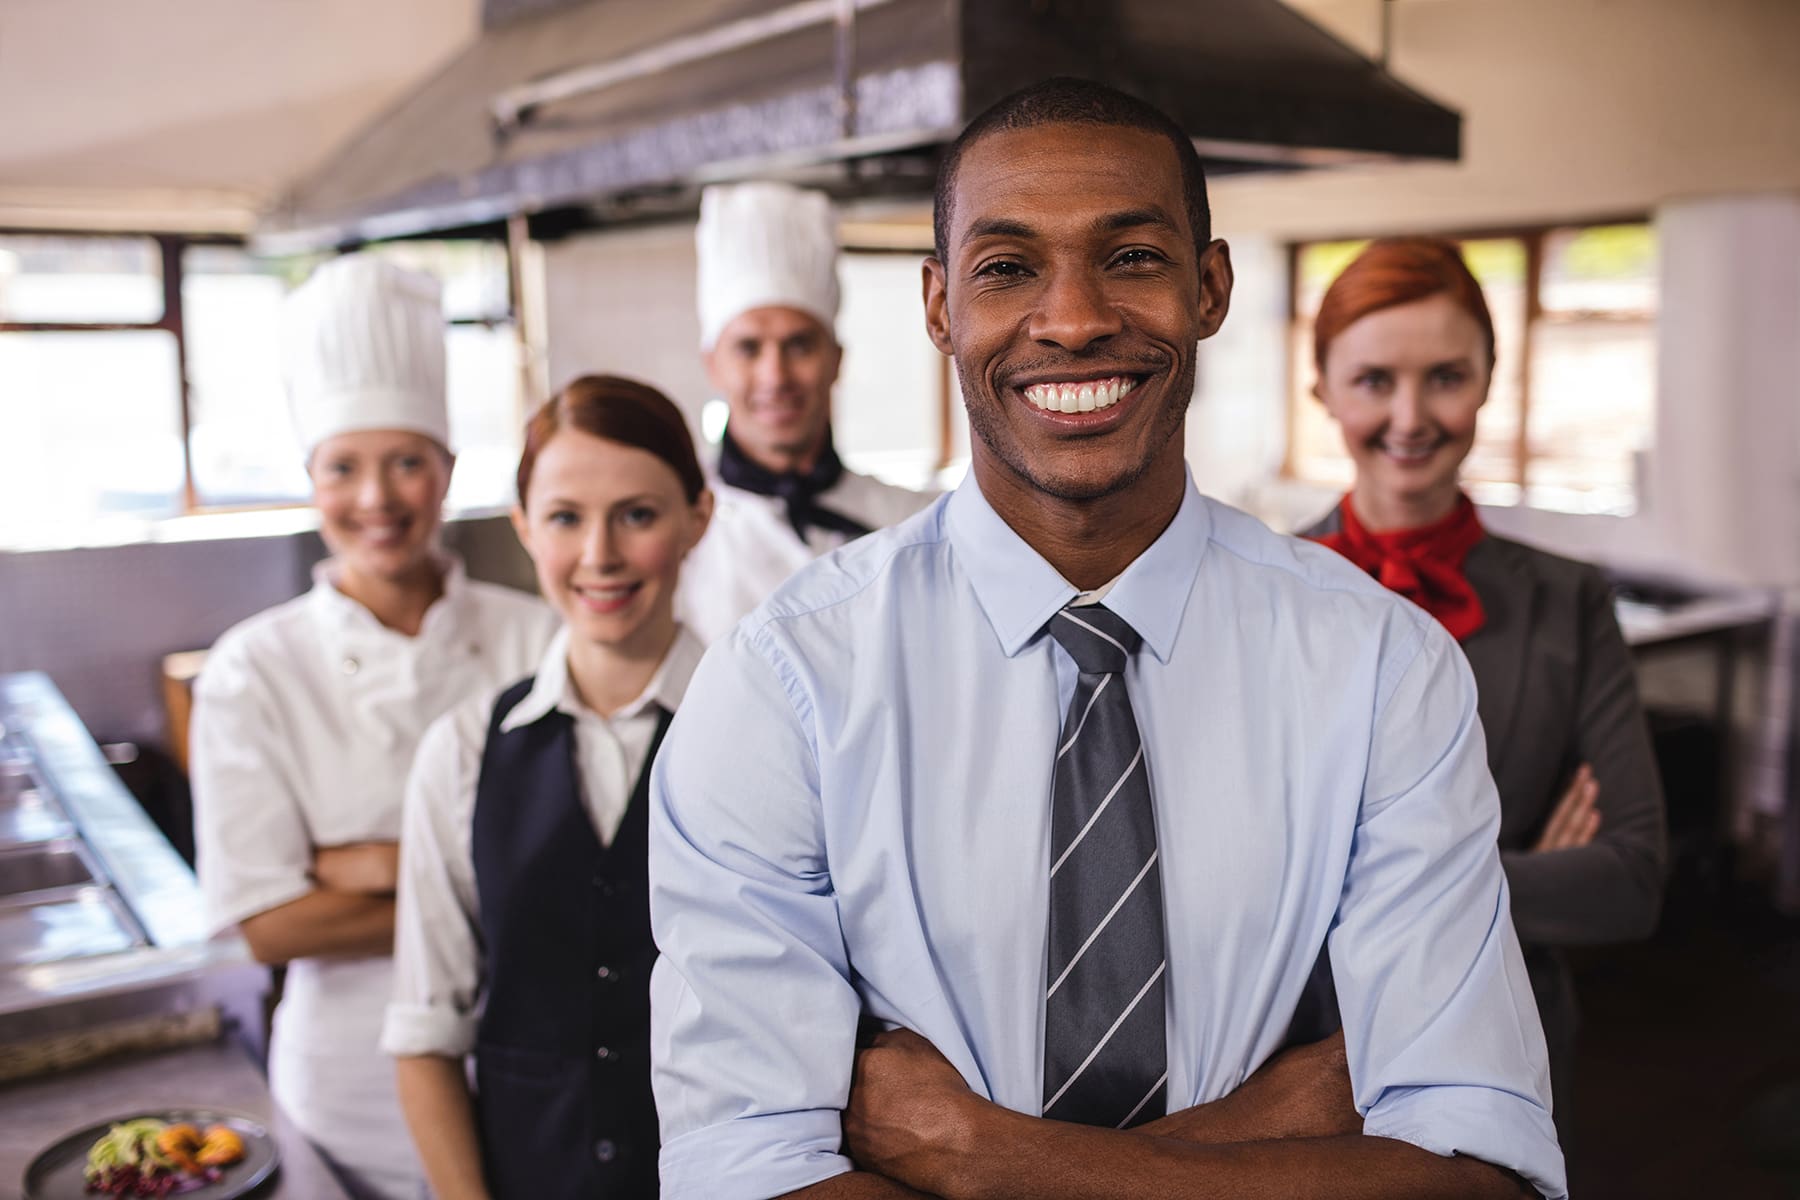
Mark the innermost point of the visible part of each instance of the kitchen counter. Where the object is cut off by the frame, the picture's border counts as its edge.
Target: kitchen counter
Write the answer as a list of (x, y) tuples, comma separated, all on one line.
[(35, 1113), (101, 922), (1700, 617)]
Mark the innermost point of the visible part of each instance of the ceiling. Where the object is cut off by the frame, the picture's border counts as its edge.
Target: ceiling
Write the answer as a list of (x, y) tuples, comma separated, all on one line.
[(204, 105)]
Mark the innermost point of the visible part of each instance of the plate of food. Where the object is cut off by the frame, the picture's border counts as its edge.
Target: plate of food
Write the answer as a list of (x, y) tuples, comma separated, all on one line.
[(195, 1153)]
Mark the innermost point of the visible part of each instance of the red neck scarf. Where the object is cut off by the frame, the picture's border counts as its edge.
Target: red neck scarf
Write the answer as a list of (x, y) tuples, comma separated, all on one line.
[(1425, 564)]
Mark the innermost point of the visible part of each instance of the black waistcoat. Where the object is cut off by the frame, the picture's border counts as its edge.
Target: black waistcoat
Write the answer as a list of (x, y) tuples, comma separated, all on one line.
[(562, 1054)]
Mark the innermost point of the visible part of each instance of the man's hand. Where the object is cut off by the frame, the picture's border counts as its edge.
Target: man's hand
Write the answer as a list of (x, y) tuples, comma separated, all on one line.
[(910, 1113), (365, 868)]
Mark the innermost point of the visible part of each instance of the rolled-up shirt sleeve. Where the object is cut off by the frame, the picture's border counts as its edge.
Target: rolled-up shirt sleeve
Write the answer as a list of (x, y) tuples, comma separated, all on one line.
[(254, 850), (437, 957), (753, 1017), (1445, 1047)]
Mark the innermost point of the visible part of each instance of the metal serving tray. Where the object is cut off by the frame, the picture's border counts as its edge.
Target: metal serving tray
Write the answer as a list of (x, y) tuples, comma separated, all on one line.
[(43, 867), (70, 923), (29, 814)]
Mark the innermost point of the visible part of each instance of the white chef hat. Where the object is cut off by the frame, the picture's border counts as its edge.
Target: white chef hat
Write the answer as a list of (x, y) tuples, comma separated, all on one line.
[(363, 348), (763, 245)]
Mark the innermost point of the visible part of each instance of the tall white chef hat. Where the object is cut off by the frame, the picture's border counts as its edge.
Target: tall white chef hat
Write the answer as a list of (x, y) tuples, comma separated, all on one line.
[(763, 245), (363, 348)]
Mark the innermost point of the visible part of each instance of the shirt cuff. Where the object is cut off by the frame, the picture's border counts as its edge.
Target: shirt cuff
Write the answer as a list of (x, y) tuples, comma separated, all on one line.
[(1496, 1127), (411, 1030), (752, 1158)]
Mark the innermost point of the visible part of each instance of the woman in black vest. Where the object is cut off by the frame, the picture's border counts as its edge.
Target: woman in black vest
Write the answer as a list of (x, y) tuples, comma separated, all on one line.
[(523, 935)]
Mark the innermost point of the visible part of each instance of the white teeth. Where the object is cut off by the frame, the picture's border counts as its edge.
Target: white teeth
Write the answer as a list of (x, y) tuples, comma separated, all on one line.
[(1079, 397), (1409, 452)]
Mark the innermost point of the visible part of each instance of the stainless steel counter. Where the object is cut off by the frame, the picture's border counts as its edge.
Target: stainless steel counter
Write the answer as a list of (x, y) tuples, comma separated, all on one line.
[(100, 920), (39, 1112)]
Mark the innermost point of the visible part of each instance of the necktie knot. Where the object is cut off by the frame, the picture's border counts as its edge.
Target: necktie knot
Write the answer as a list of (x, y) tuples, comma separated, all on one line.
[(1098, 639)]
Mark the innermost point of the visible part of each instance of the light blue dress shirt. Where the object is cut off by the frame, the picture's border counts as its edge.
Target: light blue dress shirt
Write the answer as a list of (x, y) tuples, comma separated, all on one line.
[(851, 815)]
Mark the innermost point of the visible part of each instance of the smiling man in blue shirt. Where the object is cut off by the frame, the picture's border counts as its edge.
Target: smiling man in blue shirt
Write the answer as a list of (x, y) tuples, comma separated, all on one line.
[(1065, 781)]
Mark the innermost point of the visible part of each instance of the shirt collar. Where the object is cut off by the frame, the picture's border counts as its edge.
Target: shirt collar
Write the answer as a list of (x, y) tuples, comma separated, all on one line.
[(344, 613), (553, 691), (1019, 591)]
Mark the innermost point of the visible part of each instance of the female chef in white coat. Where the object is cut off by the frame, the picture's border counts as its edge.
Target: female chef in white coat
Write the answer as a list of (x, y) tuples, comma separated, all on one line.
[(307, 715), (523, 939)]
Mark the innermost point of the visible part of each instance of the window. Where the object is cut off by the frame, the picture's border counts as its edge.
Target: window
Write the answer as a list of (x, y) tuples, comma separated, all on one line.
[(90, 395), (98, 332), (239, 433), (1572, 405)]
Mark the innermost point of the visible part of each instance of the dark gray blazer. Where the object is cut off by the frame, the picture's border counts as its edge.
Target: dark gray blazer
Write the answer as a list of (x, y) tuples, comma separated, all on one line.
[(1557, 689)]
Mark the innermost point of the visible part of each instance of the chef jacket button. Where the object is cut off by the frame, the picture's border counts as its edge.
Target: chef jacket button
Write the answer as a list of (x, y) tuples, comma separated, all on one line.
[(351, 666), (605, 1054), (603, 885), (607, 975), (605, 1151)]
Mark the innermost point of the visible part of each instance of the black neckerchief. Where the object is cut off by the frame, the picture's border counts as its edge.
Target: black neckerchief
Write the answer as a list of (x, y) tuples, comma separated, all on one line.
[(799, 491)]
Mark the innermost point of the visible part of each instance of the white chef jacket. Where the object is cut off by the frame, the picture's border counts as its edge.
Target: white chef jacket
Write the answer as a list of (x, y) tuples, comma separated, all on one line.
[(750, 549), (305, 722), (438, 969)]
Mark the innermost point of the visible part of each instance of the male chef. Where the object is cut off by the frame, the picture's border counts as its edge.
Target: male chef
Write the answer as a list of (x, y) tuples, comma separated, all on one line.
[(768, 293)]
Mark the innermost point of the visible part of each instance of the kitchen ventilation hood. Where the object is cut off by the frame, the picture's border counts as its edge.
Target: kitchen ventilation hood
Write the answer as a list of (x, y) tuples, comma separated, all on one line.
[(586, 114)]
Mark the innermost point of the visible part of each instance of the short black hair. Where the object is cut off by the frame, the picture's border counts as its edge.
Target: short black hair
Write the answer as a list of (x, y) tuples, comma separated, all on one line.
[(1065, 100)]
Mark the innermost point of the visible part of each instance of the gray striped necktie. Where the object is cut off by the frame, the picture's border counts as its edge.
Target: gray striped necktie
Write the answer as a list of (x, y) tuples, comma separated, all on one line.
[(1105, 1060)]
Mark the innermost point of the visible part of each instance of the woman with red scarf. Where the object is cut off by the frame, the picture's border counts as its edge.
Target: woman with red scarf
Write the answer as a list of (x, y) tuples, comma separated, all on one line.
[(1405, 353)]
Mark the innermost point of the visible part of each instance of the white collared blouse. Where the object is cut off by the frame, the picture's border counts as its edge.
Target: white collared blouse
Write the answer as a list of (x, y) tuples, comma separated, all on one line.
[(437, 938)]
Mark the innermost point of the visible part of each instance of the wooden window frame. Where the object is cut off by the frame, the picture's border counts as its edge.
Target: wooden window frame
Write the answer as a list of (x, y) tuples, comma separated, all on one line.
[(169, 248)]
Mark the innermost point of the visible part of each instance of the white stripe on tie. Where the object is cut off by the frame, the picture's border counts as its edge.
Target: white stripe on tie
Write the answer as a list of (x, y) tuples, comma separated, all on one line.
[(1095, 1052), (1064, 613), (1104, 922), (1140, 1104), (1082, 724), (1057, 865)]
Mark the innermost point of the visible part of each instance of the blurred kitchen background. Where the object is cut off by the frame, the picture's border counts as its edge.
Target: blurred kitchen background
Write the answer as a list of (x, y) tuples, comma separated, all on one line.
[(1624, 175)]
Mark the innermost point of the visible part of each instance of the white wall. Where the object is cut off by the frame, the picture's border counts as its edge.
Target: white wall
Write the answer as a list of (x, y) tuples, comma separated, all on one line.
[(1235, 435), (623, 303), (192, 114), (1727, 469)]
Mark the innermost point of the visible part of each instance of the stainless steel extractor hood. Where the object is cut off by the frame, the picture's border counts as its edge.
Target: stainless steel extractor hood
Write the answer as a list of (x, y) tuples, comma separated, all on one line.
[(589, 113)]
